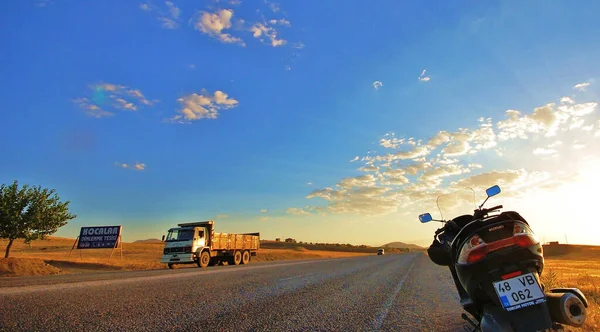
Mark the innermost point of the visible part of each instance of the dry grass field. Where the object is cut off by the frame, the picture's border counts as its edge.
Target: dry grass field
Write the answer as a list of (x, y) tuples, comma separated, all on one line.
[(50, 257), (576, 266)]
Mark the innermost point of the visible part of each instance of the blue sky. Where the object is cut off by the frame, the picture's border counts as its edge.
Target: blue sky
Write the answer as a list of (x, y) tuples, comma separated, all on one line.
[(252, 113)]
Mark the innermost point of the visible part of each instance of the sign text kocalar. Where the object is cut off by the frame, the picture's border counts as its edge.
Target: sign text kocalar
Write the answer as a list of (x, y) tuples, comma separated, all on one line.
[(98, 237)]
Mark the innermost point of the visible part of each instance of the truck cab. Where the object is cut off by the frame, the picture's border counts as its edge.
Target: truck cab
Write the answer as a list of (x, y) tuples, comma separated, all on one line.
[(183, 243)]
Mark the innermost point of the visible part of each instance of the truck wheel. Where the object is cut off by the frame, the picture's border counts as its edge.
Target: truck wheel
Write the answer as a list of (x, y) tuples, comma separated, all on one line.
[(204, 259), (171, 266), (237, 258), (245, 257)]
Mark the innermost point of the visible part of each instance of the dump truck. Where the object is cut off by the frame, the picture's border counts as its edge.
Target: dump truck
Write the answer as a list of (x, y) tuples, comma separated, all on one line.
[(197, 242)]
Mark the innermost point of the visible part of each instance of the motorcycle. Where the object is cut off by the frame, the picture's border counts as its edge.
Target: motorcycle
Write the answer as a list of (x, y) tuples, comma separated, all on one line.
[(496, 262)]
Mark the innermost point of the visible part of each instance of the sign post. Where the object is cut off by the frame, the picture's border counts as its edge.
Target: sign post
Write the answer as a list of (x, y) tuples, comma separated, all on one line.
[(73, 247), (118, 246), (99, 237)]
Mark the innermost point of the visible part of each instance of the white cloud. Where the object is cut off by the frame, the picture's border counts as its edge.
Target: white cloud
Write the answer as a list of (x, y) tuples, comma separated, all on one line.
[(358, 181), (555, 144), (545, 151), (369, 168), (439, 138), (369, 200), (298, 45), (423, 77), (267, 34), (446, 161), (281, 21), (123, 104), (264, 211), (581, 86), (511, 179), (377, 85), (579, 109), (427, 168), (168, 23), (576, 122), (91, 109), (547, 119), (203, 106), (543, 119), (392, 143), (43, 3), (354, 159), (273, 6), (105, 98), (134, 166), (168, 15), (214, 25), (456, 148), (173, 10), (444, 171), (567, 100), (297, 211)]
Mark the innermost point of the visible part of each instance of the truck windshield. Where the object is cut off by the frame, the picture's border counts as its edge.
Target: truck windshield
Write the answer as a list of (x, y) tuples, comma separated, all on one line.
[(180, 235)]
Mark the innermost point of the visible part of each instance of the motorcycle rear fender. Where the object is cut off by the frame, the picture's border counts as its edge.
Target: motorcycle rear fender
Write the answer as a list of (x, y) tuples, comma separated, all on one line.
[(494, 319), (535, 318)]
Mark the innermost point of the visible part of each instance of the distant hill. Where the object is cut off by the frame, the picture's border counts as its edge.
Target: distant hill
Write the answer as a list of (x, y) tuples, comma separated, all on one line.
[(148, 241), (402, 245)]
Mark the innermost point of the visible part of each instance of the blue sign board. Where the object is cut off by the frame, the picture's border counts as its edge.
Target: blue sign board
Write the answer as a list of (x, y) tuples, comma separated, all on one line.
[(98, 237)]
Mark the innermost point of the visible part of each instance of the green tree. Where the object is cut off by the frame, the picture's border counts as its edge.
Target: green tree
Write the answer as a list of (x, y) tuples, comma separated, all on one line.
[(30, 213)]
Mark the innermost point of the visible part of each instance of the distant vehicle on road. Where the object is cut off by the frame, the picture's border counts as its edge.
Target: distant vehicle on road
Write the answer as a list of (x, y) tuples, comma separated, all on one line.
[(380, 252), (197, 242)]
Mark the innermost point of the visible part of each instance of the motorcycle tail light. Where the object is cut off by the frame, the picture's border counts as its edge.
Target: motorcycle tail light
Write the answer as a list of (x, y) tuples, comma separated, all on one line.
[(475, 249)]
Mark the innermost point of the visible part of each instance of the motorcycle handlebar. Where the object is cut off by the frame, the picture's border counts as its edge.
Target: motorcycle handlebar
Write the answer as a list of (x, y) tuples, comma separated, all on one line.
[(497, 207)]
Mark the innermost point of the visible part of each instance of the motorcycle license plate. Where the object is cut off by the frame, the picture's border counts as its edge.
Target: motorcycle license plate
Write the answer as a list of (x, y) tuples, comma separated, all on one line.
[(519, 292)]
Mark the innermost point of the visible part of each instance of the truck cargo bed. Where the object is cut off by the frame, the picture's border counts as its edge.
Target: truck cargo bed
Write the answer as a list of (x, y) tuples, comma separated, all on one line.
[(227, 241)]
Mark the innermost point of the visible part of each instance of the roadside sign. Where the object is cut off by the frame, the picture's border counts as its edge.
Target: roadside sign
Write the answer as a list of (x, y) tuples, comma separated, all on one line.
[(99, 237)]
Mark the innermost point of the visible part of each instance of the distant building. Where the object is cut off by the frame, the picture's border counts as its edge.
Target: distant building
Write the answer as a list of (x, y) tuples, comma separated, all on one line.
[(553, 243), (277, 240), (290, 240)]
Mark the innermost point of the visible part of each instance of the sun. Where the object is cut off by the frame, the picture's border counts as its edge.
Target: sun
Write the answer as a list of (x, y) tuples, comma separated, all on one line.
[(575, 207)]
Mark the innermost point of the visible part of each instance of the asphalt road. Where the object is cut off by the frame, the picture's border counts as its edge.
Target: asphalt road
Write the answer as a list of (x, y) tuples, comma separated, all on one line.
[(371, 293)]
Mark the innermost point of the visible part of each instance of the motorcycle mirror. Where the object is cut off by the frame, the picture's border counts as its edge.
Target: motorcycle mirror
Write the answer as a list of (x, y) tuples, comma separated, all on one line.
[(425, 217), (492, 191)]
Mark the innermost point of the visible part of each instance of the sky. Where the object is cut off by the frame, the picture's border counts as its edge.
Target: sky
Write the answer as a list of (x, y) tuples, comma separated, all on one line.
[(317, 120)]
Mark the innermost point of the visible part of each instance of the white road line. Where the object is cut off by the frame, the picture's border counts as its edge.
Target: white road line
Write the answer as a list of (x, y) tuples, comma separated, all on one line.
[(85, 284), (300, 276), (383, 312)]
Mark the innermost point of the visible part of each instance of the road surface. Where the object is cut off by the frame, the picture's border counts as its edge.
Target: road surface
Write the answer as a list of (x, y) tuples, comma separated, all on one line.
[(403, 292)]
